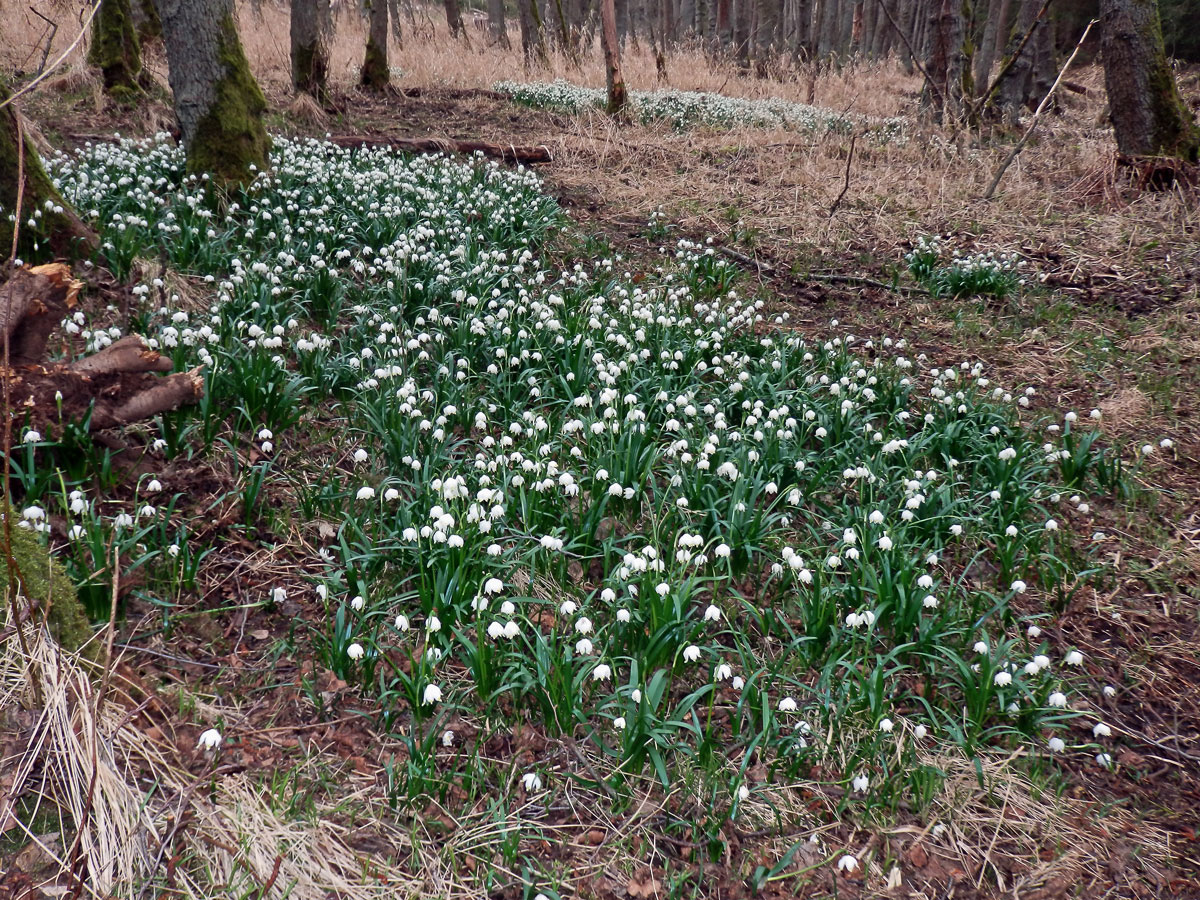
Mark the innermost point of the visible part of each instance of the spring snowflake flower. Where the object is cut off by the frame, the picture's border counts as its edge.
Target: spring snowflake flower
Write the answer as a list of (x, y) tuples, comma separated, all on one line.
[(1058, 700), (691, 653), (531, 781), (1019, 587), (365, 493), (1056, 745), (447, 738), (743, 793), (787, 704), (876, 517), (1101, 730), (355, 651), (722, 551), (886, 726), (1109, 691), (1074, 658), (153, 486), (980, 647), (1002, 679), (602, 672), (432, 695), (619, 723), (584, 647), (433, 624), (723, 672), (1104, 760), (860, 784), (712, 614), (493, 586), (930, 602), (584, 625), (847, 864), (885, 543), (278, 595), (623, 615), (210, 739), (358, 603), (920, 732), (495, 631), (402, 623), (32, 437)]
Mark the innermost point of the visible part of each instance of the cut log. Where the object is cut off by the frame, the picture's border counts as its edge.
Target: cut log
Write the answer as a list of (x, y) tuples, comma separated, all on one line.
[(112, 387), (511, 153), (32, 303)]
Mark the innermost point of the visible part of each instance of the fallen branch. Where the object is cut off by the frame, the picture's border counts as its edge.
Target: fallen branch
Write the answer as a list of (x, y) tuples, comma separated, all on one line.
[(511, 153), (846, 182), (831, 278)]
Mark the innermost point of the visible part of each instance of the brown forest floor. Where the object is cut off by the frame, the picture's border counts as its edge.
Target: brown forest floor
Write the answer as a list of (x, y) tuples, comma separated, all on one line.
[(1116, 326)]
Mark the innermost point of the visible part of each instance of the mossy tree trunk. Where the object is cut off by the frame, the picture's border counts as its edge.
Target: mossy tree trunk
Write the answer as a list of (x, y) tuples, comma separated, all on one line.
[(618, 97), (40, 581), (217, 101), (311, 25), (375, 72), (115, 50), (1148, 114), (149, 26), (55, 229)]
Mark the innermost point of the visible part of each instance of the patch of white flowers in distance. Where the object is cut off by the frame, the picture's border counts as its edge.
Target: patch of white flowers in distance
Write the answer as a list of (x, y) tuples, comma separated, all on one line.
[(686, 109), (600, 493)]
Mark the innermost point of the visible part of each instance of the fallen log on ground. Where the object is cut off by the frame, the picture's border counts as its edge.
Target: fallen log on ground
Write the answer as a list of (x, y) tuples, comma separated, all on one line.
[(115, 386), (512, 153)]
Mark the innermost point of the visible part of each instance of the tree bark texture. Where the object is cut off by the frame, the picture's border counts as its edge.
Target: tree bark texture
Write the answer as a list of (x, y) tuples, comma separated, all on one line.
[(496, 25), (1149, 117), (618, 98), (311, 25), (217, 101), (454, 18), (115, 50), (375, 73), (1012, 93)]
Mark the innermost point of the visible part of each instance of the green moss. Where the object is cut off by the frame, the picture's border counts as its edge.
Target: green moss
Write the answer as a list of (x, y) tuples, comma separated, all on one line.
[(1177, 134), (150, 26), (39, 576), (375, 74), (231, 141), (115, 49)]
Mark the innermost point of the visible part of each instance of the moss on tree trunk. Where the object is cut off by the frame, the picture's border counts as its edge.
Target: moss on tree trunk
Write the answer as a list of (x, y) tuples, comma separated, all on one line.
[(375, 73), (56, 230), (1149, 116), (41, 578), (149, 25), (231, 142), (115, 50)]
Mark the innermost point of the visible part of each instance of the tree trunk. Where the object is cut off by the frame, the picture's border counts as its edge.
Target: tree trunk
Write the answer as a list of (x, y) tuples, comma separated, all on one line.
[(454, 19), (496, 25), (1012, 93), (310, 27), (995, 25), (942, 94), (217, 101), (618, 98), (741, 31), (115, 51), (145, 16), (766, 34), (56, 229), (1148, 114), (376, 75)]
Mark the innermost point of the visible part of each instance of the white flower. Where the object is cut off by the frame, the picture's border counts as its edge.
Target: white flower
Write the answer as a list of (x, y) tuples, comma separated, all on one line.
[(210, 739), (584, 625), (531, 781), (1058, 700), (402, 623), (584, 647), (360, 455), (153, 486), (358, 603), (743, 793), (847, 863), (723, 672), (886, 725), (1074, 658), (447, 738), (1110, 691), (1051, 525), (619, 723), (365, 493), (712, 614), (860, 784), (493, 586), (930, 602), (787, 704), (602, 672), (876, 517), (432, 695), (1056, 745), (623, 615), (1002, 679), (1019, 586), (885, 543), (1101, 730), (355, 651), (32, 437), (433, 624), (980, 647), (1104, 760), (920, 732), (691, 653), (722, 551)]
